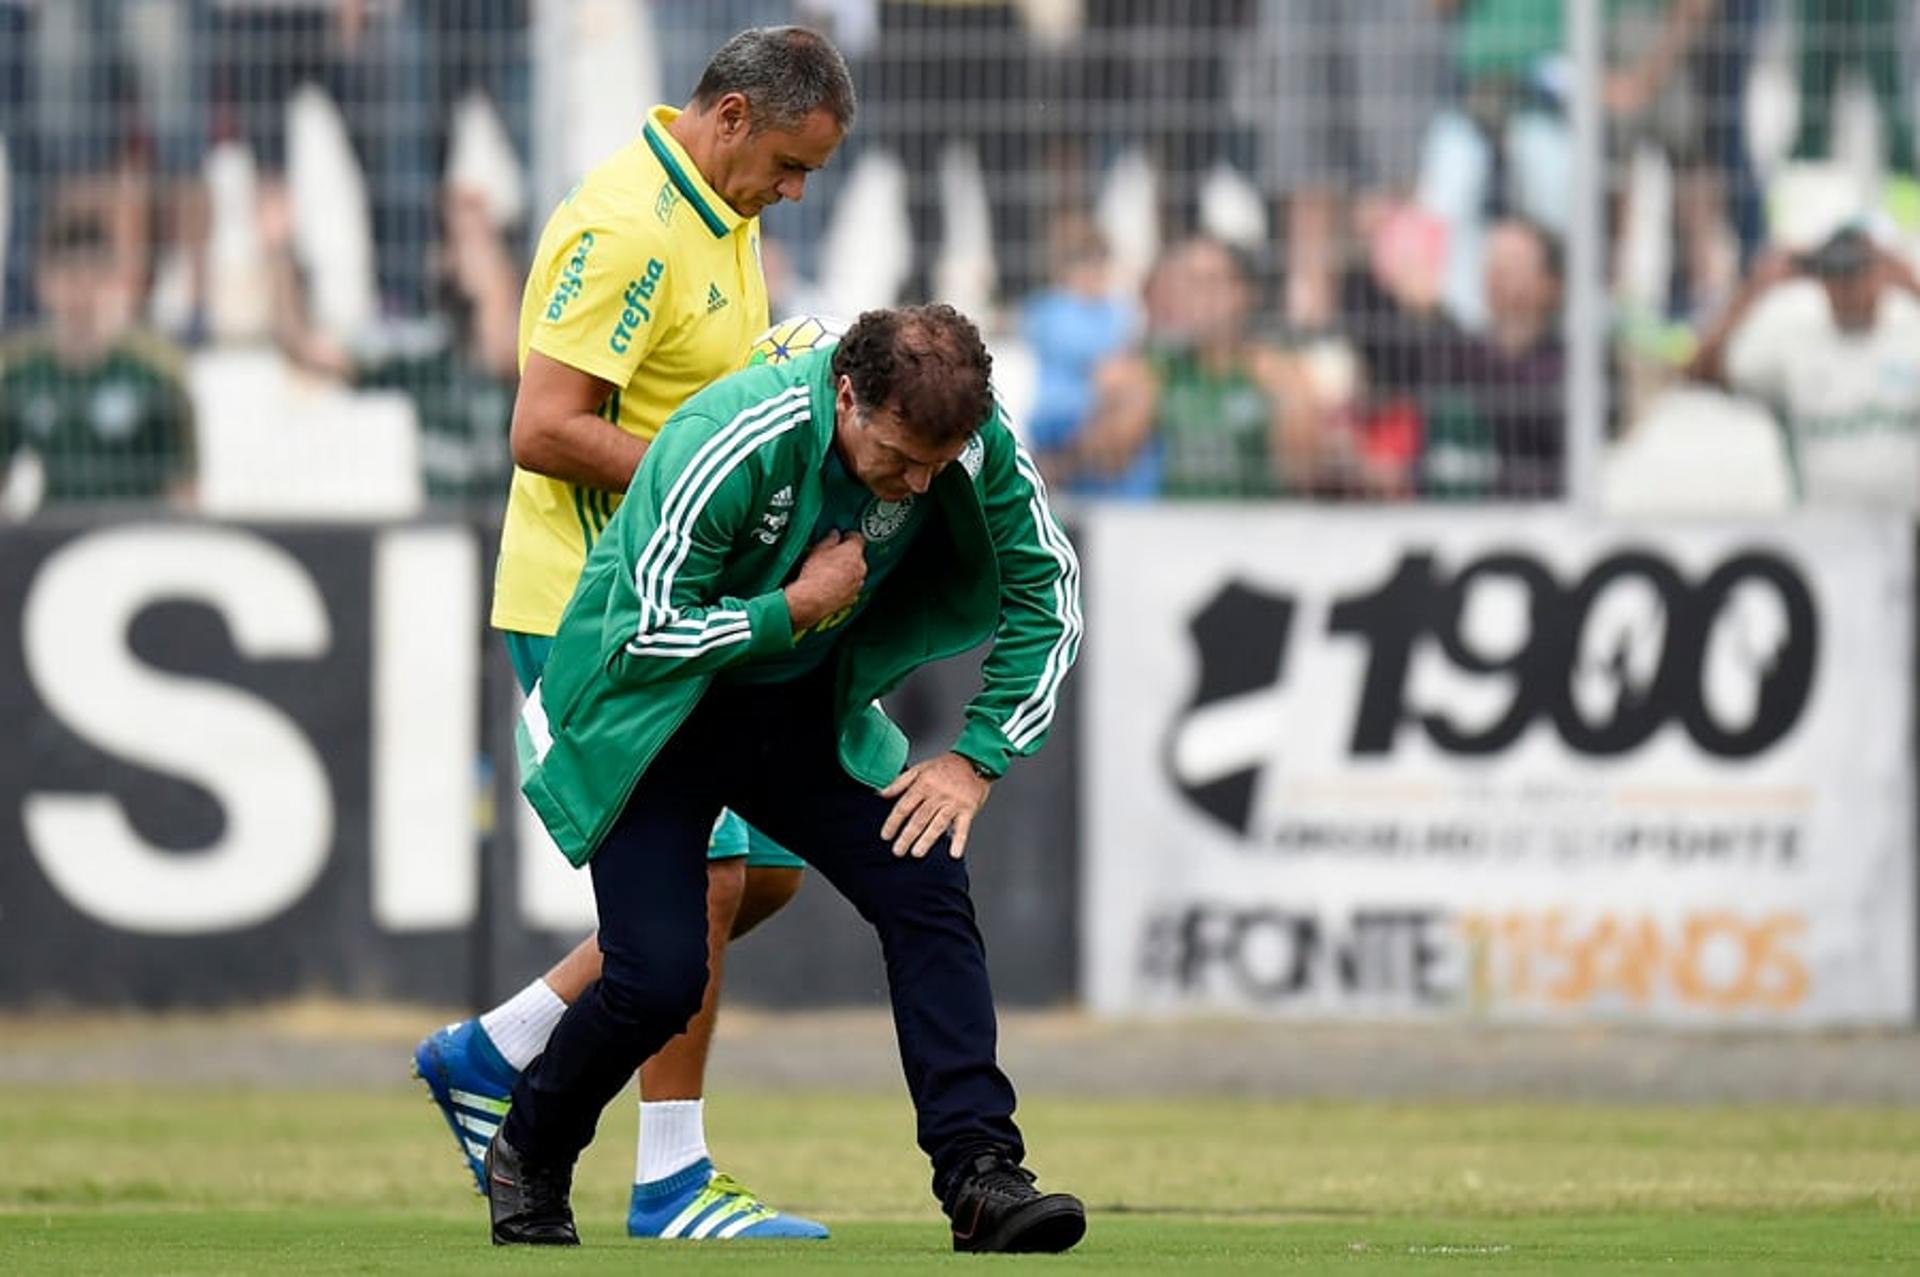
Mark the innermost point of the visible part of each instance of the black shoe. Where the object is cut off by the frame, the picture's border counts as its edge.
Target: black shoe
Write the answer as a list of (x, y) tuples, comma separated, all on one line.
[(528, 1201), (995, 1207)]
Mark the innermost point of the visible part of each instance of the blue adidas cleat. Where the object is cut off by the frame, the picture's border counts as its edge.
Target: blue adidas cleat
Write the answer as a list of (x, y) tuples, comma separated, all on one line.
[(472, 1083), (702, 1204)]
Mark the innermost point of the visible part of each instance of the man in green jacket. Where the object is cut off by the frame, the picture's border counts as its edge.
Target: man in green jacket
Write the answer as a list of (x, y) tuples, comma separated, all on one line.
[(797, 541)]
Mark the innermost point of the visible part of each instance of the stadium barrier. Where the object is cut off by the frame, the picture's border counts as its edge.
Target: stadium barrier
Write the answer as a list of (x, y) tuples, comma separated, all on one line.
[(233, 777), (1504, 763), (247, 763)]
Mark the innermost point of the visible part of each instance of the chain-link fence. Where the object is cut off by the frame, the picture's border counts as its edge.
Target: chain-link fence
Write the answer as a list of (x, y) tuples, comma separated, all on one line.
[(266, 255)]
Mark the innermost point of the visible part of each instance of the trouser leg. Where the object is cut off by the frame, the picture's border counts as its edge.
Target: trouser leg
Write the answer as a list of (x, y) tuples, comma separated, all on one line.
[(923, 914), (650, 891)]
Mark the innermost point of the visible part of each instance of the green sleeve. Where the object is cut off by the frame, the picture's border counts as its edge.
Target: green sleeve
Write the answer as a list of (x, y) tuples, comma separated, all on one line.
[(1038, 635), (691, 498)]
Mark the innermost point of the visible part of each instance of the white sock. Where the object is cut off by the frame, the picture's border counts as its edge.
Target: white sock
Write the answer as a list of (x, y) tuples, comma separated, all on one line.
[(673, 1136), (521, 1025)]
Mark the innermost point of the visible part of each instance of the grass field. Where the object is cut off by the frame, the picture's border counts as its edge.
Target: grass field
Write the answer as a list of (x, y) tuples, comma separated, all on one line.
[(189, 1181)]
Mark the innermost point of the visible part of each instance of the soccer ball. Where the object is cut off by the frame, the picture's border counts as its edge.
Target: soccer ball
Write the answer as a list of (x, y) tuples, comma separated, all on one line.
[(792, 338)]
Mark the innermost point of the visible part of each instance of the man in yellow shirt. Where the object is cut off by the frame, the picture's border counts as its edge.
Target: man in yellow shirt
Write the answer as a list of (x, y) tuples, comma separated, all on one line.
[(646, 286)]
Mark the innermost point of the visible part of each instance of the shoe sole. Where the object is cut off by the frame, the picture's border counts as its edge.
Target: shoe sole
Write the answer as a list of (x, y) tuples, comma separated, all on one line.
[(498, 1240), (742, 1237), (1047, 1227), (764, 1237)]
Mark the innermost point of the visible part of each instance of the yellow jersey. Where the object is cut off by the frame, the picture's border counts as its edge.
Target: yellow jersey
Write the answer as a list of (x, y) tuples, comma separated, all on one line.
[(644, 278)]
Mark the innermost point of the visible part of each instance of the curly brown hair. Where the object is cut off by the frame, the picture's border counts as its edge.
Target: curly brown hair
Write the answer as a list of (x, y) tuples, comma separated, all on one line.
[(926, 363)]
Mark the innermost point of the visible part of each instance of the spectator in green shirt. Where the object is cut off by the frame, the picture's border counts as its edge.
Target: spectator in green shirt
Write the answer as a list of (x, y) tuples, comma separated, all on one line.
[(91, 410), (1205, 409)]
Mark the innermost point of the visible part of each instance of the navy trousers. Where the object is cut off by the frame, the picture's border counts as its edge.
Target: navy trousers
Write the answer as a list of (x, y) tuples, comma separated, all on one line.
[(768, 752)]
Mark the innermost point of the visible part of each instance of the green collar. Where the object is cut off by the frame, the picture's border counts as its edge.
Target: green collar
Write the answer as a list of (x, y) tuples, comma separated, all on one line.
[(685, 175)]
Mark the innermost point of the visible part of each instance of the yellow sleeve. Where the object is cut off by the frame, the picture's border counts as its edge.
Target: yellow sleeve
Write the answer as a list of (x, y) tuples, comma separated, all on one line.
[(608, 299)]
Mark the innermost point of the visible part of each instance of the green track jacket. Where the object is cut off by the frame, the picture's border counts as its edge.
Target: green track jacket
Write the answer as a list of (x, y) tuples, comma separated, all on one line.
[(685, 581)]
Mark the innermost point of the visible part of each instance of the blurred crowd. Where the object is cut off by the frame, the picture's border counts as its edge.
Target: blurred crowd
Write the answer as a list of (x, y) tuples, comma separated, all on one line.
[(1226, 248)]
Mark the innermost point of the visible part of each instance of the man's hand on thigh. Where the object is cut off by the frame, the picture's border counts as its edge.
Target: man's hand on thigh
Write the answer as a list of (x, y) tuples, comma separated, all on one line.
[(939, 796)]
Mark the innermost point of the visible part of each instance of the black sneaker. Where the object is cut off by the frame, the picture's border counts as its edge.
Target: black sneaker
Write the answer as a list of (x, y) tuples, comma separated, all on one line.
[(528, 1202), (995, 1207)]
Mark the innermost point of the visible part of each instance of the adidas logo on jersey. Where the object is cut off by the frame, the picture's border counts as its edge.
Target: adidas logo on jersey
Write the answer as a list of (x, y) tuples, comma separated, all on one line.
[(715, 298), (775, 525), (776, 517)]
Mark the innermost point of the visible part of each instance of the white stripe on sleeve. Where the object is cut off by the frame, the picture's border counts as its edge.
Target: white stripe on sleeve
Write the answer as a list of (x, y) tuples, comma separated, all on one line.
[(1031, 718), (661, 631)]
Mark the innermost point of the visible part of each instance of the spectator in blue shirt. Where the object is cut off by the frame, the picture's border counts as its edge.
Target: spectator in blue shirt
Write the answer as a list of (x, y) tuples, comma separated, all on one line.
[(1073, 326)]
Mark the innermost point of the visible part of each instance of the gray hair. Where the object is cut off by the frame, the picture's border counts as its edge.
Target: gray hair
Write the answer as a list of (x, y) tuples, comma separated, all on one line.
[(785, 74)]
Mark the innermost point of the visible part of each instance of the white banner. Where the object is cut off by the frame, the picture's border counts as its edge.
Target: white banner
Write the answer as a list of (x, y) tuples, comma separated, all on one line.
[(1499, 762)]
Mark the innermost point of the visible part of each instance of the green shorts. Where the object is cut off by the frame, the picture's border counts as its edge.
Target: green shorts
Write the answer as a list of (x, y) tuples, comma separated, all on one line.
[(732, 836)]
